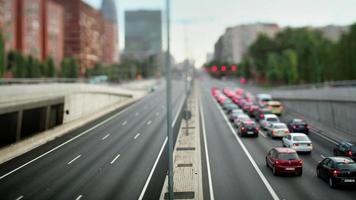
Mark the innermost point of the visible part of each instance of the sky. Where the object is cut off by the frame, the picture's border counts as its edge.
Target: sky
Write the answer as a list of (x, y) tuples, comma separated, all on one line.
[(197, 24)]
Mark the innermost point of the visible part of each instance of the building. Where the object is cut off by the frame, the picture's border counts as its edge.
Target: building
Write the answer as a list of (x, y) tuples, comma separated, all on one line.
[(143, 33), (8, 24), (110, 34), (234, 43), (32, 27), (53, 34)]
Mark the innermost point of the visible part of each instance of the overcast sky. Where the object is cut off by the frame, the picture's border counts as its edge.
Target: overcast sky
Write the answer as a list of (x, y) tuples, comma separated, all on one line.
[(206, 20)]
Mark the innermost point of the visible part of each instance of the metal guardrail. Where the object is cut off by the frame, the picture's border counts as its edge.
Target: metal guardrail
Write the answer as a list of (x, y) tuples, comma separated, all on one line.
[(328, 84), (10, 81)]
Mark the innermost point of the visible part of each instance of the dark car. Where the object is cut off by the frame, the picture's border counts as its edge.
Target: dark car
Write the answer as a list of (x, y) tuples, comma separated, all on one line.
[(248, 128), (284, 160), (252, 109), (347, 149), (231, 107), (337, 171), (298, 126), (260, 113)]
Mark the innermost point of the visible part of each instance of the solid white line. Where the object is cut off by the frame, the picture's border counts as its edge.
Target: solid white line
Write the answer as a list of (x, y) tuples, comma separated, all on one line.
[(262, 133), (106, 136), (79, 197), (136, 136), (124, 123), (325, 138), (19, 198), (64, 143), (159, 156), (253, 162), (149, 122), (112, 162), (211, 191), (70, 162), (152, 170)]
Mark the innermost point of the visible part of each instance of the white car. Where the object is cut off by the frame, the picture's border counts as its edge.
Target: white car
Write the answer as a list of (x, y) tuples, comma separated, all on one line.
[(240, 118), (277, 130), (268, 120), (264, 97), (298, 141), (235, 113)]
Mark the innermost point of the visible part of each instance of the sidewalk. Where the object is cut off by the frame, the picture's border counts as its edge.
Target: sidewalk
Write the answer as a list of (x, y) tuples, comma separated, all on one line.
[(187, 170)]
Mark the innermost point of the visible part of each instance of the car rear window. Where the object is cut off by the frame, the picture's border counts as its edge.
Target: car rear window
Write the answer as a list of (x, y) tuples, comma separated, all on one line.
[(353, 148), (279, 126), (272, 119), (300, 138), (344, 166), (288, 156)]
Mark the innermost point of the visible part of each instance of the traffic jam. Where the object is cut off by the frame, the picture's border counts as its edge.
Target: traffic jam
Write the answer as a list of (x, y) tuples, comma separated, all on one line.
[(255, 114)]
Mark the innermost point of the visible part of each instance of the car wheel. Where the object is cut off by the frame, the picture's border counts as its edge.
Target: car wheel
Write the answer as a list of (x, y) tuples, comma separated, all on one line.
[(274, 171), (318, 173), (331, 183)]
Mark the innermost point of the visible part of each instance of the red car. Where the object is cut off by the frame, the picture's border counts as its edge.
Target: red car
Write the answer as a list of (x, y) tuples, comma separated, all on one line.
[(284, 160), (214, 91)]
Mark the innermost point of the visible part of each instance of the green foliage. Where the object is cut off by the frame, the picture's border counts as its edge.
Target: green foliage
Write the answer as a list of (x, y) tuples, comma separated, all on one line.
[(69, 68), (50, 68), (2, 55)]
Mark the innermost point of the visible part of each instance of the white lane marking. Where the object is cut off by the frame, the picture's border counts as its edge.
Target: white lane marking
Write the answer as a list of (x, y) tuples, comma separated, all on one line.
[(79, 197), (322, 156), (64, 143), (136, 114), (253, 162), (159, 156), (116, 157), (149, 122), (19, 198), (211, 191), (106, 136), (322, 136), (70, 162), (136, 136), (124, 123), (262, 133)]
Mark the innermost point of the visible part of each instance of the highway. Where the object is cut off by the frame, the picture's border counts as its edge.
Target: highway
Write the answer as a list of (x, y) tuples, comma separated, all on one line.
[(112, 158), (237, 165)]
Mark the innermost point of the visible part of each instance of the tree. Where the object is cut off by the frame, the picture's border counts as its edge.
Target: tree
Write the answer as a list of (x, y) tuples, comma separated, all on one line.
[(69, 68), (50, 68), (2, 55)]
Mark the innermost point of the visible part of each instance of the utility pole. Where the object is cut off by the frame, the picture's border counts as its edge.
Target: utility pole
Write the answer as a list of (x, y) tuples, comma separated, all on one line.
[(168, 95)]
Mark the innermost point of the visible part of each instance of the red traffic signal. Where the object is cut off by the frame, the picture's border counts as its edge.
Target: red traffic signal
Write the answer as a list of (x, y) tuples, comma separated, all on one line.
[(214, 68), (223, 68), (233, 68)]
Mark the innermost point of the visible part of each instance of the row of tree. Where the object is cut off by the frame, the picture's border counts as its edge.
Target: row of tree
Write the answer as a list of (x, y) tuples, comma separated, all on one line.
[(297, 55), (301, 55), (21, 66)]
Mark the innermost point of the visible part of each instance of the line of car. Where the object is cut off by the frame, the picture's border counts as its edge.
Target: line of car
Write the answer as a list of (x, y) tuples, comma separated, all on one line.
[(250, 114)]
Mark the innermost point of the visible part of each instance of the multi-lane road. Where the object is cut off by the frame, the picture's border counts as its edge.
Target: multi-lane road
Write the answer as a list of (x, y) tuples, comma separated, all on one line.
[(237, 165), (113, 158)]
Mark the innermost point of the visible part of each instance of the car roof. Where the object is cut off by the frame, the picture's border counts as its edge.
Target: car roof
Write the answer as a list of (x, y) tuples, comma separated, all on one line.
[(270, 115), (341, 159), (274, 103), (279, 123), (297, 134), (351, 143), (284, 150)]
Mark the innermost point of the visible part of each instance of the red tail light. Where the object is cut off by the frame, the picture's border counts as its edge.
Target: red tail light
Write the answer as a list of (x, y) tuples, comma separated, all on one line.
[(306, 126), (301, 162), (349, 153), (296, 144), (336, 173), (265, 124), (243, 129), (294, 127), (262, 116)]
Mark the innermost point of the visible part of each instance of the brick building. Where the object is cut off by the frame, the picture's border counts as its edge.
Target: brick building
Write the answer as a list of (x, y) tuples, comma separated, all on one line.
[(8, 23)]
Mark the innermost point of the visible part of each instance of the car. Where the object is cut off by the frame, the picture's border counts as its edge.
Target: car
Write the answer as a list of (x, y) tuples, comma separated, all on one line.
[(215, 91), (298, 141), (261, 112), (248, 128), (246, 106), (228, 105), (252, 110), (239, 119), (337, 171), (231, 107), (234, 113), (284, 160), (347, 149), (277, 130), (298, 126), (267, 120), (276, 107), (228, 92), (264, 97)]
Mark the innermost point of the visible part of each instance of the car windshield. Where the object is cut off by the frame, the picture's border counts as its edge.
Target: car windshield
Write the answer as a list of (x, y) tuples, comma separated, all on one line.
[(301, 138), (279, 126), (288, 156), (346, 165), (250, 126)]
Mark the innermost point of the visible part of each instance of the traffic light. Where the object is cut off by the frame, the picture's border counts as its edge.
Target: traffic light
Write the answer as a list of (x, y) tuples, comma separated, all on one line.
[(214, 68), (223, 68), (233, 68)]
